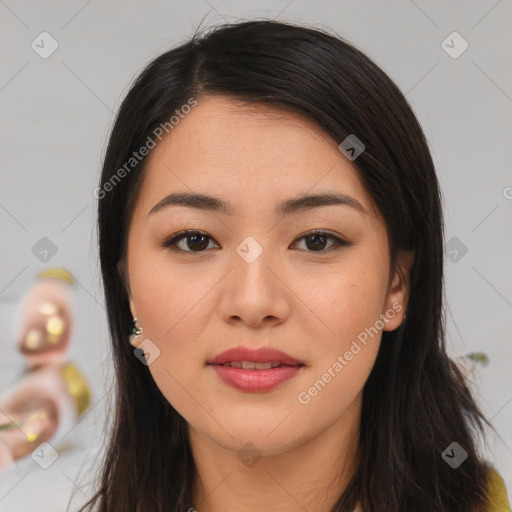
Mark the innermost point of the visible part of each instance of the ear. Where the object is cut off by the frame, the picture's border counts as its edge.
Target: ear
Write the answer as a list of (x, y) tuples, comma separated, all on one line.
[(121, 270), (132, 307), (395, 304)]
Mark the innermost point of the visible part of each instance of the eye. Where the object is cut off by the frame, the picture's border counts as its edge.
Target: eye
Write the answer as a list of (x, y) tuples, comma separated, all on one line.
[(316, 239), (197, 241)]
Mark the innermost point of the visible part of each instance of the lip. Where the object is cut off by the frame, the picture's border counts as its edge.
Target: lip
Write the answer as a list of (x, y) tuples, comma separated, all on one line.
[(255, 380), (260, 355)]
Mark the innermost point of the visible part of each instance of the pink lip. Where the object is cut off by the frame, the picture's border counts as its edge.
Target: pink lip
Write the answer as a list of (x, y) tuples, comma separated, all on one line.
[(260, 355), (255, 380)]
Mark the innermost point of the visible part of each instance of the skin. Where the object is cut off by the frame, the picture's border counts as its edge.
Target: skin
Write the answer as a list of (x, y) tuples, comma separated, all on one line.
[(309, 303)]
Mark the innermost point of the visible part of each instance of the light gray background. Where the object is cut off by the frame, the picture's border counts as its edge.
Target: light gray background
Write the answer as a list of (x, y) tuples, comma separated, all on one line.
[(57, 112)]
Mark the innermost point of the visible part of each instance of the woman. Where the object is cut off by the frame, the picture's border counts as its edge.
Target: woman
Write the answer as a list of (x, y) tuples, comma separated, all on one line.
[(268, 202)]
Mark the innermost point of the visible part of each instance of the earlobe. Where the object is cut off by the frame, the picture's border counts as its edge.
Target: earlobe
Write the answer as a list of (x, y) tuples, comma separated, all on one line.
[(135, 332)]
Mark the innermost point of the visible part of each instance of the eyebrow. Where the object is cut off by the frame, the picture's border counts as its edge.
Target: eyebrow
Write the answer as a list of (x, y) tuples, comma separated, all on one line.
[(287, 207)]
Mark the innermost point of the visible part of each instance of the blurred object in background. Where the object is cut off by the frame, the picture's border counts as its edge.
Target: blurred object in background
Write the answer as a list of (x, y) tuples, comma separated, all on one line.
[(44, 404), (468, 362), (46, 319)]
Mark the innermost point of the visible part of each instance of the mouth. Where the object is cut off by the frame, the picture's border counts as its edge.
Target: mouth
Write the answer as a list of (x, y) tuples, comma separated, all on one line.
[(249, 358), (256, 376), (253, 365)]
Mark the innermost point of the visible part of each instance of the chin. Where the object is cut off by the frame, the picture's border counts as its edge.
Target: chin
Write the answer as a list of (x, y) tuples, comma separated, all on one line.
[(265, 439)]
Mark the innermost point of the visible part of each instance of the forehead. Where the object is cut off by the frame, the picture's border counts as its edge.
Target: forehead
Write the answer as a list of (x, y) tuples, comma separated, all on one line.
[(252, 153)]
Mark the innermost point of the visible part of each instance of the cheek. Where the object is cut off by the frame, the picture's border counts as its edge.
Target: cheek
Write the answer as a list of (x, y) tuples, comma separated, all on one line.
[(343, 357), (340, 303), (167, 296), (173, 315), (343, 330), (350, 348), (174, 307)]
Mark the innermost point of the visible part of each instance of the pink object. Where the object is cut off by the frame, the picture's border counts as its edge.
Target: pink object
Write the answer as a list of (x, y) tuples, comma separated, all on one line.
[(43, 406), (46, 319)]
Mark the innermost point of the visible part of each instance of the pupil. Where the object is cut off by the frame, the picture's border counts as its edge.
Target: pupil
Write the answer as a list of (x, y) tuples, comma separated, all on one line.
[(312, 237), (195, 237)]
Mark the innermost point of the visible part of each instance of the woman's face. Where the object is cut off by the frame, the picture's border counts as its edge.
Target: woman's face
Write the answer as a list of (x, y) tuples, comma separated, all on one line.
[(254, 279)]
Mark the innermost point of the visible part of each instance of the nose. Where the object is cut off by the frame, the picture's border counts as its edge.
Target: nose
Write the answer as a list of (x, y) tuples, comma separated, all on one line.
[(255, 292)]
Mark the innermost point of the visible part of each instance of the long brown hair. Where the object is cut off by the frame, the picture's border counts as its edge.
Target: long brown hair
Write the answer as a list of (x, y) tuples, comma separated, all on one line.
[(415, 401)]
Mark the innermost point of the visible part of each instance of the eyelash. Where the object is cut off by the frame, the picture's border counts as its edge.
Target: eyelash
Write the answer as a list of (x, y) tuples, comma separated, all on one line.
[(170, 242)]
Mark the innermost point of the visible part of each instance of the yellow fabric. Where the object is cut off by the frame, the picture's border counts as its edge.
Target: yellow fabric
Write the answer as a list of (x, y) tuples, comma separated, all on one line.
[(498, 492)]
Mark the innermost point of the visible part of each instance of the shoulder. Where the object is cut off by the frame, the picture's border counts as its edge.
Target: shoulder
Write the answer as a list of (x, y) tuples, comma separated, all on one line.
[(498, 493)]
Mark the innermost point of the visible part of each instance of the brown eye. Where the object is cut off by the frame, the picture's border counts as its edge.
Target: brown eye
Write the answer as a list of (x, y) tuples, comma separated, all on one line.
[(194, 241), (317, 240)]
